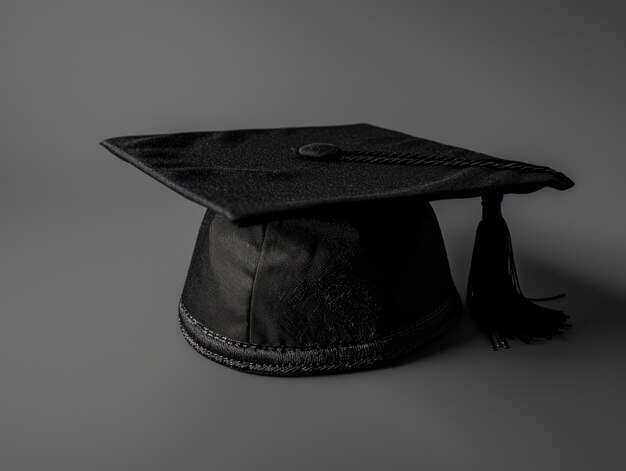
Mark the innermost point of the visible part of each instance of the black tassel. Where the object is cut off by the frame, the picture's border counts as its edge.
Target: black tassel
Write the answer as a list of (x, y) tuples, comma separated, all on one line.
[(494, 296)]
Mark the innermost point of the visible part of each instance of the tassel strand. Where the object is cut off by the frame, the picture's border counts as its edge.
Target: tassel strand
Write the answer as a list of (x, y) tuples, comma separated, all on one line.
[(494, 295)]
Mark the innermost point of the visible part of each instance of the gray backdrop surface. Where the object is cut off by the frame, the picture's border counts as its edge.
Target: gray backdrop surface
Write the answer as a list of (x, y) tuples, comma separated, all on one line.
[(94, 373)]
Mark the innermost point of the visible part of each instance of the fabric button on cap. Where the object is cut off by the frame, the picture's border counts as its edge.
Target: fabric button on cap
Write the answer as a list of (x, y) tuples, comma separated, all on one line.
[(320, 151)]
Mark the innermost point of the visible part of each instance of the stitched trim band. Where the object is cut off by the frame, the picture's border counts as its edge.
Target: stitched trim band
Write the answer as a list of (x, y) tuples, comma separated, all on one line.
[(303, 360), (283, 348)]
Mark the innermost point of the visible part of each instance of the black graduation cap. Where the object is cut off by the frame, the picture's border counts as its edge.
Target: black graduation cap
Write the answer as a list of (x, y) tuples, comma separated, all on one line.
[(319, 251)]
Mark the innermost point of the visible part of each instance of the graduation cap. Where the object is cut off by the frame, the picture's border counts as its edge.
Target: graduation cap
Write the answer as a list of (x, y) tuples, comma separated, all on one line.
[(319, 251)]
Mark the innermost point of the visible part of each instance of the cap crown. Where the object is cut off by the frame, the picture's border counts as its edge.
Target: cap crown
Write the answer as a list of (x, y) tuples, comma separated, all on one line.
[(319, 281)]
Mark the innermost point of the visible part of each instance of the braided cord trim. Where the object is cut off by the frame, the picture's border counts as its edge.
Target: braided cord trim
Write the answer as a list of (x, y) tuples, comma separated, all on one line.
[(400, 158), (316, 360)]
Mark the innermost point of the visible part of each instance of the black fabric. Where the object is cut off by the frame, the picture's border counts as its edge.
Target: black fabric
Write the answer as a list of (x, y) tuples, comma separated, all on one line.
[(258, 175), (353, 291), (319, 251), (317, 281)]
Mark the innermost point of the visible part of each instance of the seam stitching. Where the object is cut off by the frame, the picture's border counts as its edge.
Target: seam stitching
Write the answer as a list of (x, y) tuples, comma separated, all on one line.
[(252, 289), (283, 348)]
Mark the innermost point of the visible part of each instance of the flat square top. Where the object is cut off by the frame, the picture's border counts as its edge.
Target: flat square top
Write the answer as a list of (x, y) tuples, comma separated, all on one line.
[(259, 174)]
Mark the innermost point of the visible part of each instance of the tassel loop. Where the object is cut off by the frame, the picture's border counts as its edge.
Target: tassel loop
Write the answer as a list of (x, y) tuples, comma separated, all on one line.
[(494, 295)]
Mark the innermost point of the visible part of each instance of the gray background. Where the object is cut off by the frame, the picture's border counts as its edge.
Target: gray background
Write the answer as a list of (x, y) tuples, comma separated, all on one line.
[(93, 254)]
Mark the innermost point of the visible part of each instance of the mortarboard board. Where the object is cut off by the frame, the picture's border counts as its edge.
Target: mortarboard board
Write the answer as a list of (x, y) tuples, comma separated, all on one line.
[(319, 251)]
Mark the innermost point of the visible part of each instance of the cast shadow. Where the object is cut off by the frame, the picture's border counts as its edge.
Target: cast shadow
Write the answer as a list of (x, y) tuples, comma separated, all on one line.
[(595, 312)]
